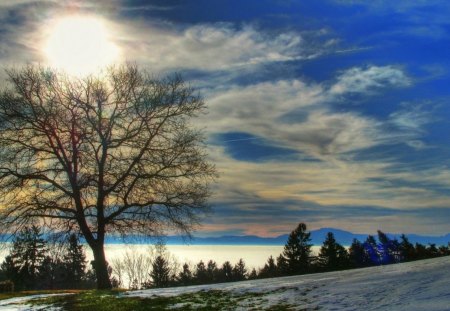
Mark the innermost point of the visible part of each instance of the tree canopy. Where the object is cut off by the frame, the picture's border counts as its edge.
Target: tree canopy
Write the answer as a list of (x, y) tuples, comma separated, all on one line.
[(109, 153)]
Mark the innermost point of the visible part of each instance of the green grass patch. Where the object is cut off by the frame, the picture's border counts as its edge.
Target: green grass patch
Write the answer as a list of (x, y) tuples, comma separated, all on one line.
[(115, 301), (197, 301)]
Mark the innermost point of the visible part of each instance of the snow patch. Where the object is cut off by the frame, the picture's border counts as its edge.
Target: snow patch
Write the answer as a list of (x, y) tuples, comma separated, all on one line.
[(418, 285)]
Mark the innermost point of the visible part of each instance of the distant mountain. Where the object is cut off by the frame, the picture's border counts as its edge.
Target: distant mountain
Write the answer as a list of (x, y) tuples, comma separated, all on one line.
[(317, 236)]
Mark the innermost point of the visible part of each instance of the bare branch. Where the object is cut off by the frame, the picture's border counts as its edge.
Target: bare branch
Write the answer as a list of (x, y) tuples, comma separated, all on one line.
[(114, 152)]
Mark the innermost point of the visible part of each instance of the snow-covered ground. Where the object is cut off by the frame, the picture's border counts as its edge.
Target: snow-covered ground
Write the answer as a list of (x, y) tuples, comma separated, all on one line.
[(20, 303), (419, 285)]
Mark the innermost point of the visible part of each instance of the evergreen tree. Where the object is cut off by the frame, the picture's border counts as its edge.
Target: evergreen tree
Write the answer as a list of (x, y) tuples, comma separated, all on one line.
[(432, 251), (357, 254), (407, 249), (185, 276), (371, 250), (74, 262), (444, 250), (269, 270), (239, 271), (11, 271), (421, 251), (282, 266), (332, 256), (212, 272), (52, 273), (343, 257), (160, 272), (24, 263), (388, 249), (297, 250), (201, 277), (226, 272), (253, 275)]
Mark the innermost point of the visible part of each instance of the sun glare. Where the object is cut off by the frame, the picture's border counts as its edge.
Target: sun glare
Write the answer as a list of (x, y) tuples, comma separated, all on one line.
[(80, 45)]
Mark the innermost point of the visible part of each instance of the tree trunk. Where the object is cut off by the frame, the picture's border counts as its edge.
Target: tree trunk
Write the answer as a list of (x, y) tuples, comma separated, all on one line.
[(100, 266)]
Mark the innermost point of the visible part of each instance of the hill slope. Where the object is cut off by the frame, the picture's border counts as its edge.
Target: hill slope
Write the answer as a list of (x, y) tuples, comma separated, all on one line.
[(419, 285)]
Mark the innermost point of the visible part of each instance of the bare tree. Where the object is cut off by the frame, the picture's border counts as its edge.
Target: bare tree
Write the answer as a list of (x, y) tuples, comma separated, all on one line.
[(109, 153), (118, 266), (137, 266)]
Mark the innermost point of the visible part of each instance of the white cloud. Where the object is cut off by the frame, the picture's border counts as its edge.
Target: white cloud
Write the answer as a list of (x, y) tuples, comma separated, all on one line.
[(212, 46), (410, 122), (367, 80), (262, 109), (411, 118), (300, 115), (269, 110)]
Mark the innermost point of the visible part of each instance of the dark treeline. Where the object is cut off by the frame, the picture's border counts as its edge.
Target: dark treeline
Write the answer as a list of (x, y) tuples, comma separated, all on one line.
[(33, 263), (297, 258)]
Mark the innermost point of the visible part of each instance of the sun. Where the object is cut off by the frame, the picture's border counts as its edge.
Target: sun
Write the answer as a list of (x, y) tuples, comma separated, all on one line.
[(79, 45)]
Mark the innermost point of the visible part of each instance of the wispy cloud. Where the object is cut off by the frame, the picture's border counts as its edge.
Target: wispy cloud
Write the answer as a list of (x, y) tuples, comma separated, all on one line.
[(370, 79), (270, 110), (253, 81), (411, 117), (301, 116), (211, 47)]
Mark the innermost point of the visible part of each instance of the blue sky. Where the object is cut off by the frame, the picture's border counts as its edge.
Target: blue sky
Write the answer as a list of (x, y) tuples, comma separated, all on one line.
[(334, 112)]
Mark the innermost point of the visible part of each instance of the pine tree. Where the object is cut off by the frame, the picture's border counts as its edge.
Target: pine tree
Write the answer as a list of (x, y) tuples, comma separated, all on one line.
[(388, 249), (185, 277), (11, 271), (444, 250), (407, 249), (282, 266), (432, 251), (239, 271), (269, 270), (371, 250), (421, 251), (297, 250), (226, 272), (343, 257), (201, 276), (212, 271), (24, 263), (52, 273), (160, 272), (253, 275), (358, 255), (332, 256), (75, 262)]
